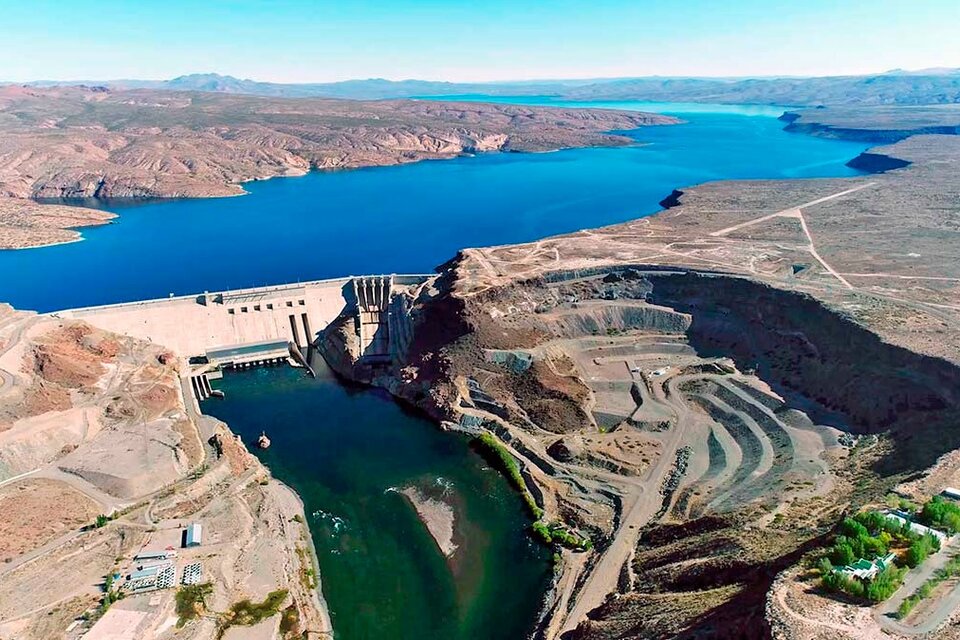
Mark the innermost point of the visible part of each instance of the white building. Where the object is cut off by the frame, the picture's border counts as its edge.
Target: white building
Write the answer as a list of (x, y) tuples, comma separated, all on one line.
[(917, 528), (194, 535)]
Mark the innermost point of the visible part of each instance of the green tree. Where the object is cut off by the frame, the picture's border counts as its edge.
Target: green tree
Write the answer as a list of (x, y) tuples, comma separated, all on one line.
[(824, 566), (842, 554)]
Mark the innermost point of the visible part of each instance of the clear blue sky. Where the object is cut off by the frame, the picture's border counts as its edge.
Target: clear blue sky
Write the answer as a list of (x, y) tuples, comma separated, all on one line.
[(300, 41)]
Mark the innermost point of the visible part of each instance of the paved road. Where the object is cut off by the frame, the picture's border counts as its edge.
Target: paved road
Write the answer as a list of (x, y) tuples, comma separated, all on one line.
[(939, 614)]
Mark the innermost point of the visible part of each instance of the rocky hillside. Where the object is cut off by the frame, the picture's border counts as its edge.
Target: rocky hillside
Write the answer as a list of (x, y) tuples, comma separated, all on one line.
[(704, 392), (83, 142), (80, 142)]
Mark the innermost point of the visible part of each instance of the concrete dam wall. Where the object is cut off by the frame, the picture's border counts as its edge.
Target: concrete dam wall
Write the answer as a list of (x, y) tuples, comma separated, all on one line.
[(297, 313)]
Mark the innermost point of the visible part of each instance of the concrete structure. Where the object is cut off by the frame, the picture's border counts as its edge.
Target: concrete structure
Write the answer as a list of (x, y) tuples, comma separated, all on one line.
[(193, 324), (247, 327), (120, 624), (194, 535), (190, 325), (373, 304)]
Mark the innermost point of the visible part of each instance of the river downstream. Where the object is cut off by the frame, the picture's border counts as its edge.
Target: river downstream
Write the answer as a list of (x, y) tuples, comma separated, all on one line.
[(348, 452)]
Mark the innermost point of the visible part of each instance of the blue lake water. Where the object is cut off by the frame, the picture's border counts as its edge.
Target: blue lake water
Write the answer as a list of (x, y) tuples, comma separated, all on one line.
[(409, 218)]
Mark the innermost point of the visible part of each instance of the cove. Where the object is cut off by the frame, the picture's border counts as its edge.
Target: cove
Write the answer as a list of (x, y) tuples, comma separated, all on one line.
[(347, 451), (410, 218)]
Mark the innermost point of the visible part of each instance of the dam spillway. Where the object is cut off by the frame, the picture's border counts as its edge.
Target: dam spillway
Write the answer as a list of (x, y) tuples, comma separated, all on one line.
[(245, 326)]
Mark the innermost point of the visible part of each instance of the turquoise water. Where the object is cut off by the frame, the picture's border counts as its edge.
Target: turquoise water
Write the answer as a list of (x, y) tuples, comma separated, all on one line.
[(406, 219), (346, 451)]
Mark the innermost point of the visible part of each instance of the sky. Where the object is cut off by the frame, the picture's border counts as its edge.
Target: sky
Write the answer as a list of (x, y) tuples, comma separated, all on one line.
[(483, 40)]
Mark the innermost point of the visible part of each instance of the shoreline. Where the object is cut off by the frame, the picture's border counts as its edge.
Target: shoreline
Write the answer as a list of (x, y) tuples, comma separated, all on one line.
[(788, 117), (319, 602)]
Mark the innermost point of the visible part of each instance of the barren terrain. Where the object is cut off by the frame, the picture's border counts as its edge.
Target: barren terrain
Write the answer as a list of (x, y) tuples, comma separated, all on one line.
[(96, 424), (701, 393)]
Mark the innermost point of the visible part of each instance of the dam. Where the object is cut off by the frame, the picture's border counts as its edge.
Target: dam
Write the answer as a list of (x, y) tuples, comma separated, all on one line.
[(243, 327), (348, 452)]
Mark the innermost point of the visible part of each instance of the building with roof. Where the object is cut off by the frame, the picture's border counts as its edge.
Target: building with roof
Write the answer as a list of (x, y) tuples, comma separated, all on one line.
[(916, 527), (149, 578), (194, 535), (867, 569), (147, 556), (950, 492)]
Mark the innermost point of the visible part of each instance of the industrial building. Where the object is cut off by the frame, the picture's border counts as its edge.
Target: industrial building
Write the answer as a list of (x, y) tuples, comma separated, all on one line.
[(158, 576), (194, 535)]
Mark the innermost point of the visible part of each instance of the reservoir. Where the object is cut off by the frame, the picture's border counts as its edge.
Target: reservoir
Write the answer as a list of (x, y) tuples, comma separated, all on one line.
[(349, 452), (406, 219)]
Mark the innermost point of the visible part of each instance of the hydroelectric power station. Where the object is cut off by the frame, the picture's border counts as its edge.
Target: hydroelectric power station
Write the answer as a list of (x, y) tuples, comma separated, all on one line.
[(266, 325)]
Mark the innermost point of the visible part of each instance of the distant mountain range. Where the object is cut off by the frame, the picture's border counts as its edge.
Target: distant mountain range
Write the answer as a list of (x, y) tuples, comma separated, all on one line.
[(929, 86)]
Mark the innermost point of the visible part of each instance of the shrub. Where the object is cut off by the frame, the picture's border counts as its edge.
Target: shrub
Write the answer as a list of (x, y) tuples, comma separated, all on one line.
[(501, 457), (884, 584), (191, 601), (290, 620), (842, 554), (824, 566), (249, 613), (920, 549)]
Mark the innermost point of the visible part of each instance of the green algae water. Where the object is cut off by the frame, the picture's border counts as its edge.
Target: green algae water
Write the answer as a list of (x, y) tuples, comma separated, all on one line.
[(348, 452)]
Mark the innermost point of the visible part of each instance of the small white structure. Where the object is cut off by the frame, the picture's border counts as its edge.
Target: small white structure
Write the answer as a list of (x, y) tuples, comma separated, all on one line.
[(150, 556), (950, 492), (194, 535), (917, 528)]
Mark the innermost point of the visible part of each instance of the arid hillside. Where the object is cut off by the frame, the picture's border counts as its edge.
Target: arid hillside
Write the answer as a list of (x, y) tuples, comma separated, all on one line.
[(83, 142), (102, 458)]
